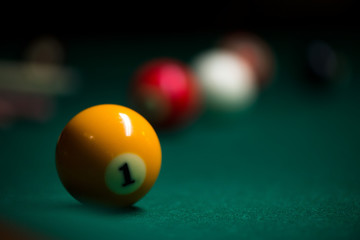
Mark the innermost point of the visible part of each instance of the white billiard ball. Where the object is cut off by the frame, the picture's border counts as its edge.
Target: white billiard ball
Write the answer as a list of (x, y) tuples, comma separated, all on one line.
[(227, 80)]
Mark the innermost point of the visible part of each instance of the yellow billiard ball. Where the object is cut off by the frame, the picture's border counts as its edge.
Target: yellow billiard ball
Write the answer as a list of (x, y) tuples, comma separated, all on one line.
[(108, 154)]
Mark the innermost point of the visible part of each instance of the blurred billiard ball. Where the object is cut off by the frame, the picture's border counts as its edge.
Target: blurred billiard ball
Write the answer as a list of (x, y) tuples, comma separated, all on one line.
[(325, 66), (108, 155), (227, 80), (45, 50), (165, 92), (256, 51)]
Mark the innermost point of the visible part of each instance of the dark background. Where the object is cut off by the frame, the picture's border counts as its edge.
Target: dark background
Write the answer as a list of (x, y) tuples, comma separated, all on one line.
[(68, 20)]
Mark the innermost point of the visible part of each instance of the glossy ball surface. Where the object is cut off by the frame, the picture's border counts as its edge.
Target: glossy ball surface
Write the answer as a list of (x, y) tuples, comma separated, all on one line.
[(109, 155)]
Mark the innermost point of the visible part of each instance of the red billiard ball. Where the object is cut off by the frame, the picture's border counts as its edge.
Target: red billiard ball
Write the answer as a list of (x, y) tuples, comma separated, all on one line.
[(255, 51), (166, 93)]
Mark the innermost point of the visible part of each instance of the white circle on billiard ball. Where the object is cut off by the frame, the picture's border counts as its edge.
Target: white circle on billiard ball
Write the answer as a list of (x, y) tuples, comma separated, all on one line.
[(227, 80), (125, 173)]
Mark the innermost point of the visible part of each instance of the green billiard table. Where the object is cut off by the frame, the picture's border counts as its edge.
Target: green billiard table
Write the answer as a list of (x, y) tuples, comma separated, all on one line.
[(288, 168)]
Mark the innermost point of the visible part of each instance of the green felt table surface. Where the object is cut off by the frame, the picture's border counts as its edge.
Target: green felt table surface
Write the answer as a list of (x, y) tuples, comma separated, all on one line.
[(287, 168)]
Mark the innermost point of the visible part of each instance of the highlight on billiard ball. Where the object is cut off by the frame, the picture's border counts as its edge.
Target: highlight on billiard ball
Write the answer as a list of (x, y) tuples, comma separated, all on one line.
[(227, 80), (256, 51), (166, 93), (108, 155)]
